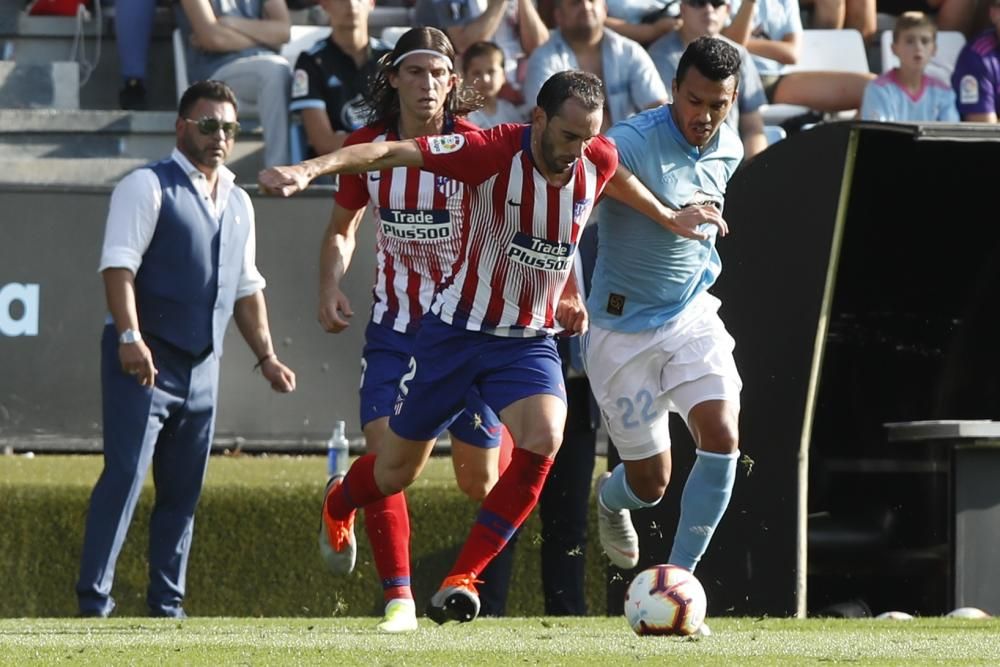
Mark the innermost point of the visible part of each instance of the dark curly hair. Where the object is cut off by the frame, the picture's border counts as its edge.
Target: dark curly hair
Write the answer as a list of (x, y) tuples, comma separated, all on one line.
[(381, 100), (715, 58)]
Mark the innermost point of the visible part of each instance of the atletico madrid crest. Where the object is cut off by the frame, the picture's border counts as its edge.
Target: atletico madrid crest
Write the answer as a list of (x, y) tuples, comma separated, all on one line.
[(445, 185)]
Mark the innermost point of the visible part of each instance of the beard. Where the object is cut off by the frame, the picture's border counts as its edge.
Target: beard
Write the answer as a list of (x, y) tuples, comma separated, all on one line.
[(206, 156), (549, 155)]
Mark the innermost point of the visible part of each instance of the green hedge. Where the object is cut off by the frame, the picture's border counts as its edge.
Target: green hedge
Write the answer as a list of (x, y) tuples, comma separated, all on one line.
[(254, 551)]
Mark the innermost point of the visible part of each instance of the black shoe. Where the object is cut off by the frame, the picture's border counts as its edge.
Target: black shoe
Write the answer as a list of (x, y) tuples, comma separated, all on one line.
[(93, 613), (133, 96), (176, 613)]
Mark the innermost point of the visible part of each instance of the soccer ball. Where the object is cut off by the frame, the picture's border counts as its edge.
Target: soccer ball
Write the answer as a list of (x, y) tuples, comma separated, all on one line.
[(665, 600)]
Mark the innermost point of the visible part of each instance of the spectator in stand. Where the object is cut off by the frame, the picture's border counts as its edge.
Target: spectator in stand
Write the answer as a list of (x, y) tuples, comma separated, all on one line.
[(133, 33), (238, 42), (642, 21), (483, 69), (906, 93), (857, 15), (976, 79), (331, 76), (581, 41), (965, 16), (513, 25), (771, 30), (705, 18)]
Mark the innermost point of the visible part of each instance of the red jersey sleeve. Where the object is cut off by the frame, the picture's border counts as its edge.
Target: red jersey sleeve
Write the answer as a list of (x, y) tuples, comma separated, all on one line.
[(472, 157), (604, 155), (352, 189)]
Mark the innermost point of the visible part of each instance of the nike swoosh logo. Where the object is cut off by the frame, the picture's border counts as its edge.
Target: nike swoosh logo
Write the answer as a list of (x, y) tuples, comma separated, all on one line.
[(511, 202), (374, 177)]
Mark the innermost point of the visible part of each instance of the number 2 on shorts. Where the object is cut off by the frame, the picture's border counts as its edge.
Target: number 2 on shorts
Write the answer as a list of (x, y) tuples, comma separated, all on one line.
[(407, 376)]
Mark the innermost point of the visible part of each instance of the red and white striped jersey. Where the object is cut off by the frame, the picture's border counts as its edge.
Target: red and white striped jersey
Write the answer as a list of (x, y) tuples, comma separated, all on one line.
[(521, 233), (418, 218)]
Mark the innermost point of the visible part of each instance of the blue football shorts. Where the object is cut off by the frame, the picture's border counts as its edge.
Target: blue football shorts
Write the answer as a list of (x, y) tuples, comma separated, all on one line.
[(448, 362), (386, 359)]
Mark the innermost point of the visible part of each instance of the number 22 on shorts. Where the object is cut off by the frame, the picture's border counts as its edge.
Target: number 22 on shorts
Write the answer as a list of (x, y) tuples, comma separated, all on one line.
[(636, 411)]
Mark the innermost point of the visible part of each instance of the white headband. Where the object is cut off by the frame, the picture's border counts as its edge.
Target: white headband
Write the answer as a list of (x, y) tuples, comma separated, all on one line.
[(429, 52)]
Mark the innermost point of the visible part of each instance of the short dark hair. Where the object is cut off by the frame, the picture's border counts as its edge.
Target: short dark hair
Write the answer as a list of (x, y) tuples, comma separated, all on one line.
[(584, 87), (481, 49), (205, 90), (715, 58)]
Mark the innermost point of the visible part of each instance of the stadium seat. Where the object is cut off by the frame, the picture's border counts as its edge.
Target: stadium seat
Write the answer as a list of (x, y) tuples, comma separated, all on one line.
[(392, 33), (302, 37), (821, 51), (180, 64), (949, 44), (383, 17)]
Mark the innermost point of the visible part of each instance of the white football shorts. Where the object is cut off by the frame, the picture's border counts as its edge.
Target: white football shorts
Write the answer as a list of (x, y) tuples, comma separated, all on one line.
[(639, 378)]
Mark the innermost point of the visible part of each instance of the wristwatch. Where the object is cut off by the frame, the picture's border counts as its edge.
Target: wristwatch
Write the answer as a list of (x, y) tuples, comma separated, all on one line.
[(129, 336)]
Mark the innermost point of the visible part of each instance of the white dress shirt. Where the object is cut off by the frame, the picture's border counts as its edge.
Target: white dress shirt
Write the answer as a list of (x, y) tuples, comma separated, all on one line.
[(135, 208)]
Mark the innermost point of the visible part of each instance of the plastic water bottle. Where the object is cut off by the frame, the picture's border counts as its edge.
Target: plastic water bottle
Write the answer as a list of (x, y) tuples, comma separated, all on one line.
[(337, 451)]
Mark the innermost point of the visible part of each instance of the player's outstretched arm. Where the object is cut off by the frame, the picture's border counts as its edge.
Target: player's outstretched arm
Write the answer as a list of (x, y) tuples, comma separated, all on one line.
[(356, 159), (626, 188)]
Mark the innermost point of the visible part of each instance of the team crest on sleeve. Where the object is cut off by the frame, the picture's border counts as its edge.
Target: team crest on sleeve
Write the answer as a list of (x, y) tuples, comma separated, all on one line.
[(445, 185), (352, 114), (445, 143), (300, 83), (968, 90)]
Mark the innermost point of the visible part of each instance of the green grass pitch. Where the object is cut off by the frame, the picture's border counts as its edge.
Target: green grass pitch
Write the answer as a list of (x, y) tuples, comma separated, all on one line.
[(514, 641)]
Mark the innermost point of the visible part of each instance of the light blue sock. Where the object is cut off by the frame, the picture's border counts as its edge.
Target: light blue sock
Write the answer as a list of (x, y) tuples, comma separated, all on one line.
[(616, 494), (706, 496)]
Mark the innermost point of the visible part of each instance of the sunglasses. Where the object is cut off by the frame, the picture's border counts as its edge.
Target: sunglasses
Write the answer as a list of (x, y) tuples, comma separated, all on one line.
[(209, 126), (698, 4)]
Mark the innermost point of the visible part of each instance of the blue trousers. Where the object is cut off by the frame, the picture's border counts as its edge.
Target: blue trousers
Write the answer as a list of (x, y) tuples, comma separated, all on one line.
[(133, 33), (169, 426)]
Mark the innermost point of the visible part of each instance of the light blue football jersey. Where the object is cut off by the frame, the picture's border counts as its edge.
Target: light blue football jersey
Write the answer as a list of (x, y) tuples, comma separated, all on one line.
[(885, 99), (645, 275)]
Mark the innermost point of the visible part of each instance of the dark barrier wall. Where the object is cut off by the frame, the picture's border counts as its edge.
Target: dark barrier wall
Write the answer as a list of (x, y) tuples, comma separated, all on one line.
[(50, 242), (912, 336)]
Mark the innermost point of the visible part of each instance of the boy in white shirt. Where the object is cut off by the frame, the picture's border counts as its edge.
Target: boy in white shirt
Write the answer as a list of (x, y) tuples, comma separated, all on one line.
[(483, 69)]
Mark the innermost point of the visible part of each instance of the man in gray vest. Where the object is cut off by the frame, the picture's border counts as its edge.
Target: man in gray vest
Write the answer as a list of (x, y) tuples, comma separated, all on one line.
[(239, 42), (177, 262)]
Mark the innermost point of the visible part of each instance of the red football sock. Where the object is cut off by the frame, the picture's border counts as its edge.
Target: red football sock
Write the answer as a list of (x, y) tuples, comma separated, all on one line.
[(387, 523), (357, 490), (503, 511), (506, 449)]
